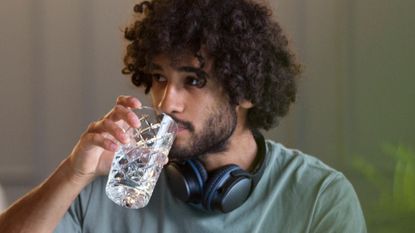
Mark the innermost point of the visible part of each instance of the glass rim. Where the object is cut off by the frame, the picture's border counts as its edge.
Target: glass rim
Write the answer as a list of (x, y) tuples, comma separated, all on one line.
[(157, 113)]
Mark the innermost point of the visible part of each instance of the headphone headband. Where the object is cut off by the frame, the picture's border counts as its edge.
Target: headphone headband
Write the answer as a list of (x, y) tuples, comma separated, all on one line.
[(259, 169)]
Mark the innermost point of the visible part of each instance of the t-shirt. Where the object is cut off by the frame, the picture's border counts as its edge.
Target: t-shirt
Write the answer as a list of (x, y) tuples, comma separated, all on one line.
[(297, 193)]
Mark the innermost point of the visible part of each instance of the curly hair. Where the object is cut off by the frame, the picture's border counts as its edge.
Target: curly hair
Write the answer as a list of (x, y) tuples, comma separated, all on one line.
[(252, 59)]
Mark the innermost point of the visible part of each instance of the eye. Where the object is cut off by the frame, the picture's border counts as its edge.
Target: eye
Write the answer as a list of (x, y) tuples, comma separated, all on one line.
[(158, 78), (195, 81)]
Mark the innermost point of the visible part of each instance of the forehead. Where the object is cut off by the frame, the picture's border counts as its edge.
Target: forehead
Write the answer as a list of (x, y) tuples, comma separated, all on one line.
[(175, 60), (186, 58), (169, 64)]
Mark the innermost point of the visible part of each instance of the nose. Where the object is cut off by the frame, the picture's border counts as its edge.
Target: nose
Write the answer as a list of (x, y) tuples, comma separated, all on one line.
[(171, 101)]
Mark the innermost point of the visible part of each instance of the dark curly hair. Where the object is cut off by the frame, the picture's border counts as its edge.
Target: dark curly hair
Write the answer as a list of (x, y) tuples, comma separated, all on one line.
[(252, 59)]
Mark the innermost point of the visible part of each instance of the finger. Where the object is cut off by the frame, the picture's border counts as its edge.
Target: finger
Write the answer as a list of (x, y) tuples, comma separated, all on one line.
[(120, 112), (110, 127), (101, 141), (128, 101), (107, 129)]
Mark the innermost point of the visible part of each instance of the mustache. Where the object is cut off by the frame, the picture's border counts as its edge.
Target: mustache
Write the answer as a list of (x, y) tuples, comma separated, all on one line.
[(183, 124)]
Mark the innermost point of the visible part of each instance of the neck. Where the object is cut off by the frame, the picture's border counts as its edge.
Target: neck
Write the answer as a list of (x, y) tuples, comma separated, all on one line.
[(242, 150)]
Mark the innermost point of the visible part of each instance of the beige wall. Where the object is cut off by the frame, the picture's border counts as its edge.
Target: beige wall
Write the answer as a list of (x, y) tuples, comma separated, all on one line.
[(60, 65)]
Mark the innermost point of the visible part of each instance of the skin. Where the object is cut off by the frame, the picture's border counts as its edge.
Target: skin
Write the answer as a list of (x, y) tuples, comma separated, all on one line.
[(41, 209)]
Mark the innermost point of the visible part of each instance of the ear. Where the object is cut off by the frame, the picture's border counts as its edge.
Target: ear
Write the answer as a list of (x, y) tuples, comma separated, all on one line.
[(245, 104)]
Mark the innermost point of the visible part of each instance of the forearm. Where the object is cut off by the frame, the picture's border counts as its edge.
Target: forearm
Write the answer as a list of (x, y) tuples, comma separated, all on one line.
[(42, 208)]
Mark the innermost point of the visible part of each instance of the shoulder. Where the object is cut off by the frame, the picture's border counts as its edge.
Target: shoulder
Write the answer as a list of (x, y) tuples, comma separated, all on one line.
[(303, 170), (305, 175), (325, 192), (293, 161)]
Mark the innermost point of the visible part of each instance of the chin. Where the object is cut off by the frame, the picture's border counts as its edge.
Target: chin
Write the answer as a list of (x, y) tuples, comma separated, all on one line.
[(179, 152), (182, 133), (182, 140)]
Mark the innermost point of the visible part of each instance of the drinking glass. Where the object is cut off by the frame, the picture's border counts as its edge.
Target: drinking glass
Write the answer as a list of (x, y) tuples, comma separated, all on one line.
[(137, 165)]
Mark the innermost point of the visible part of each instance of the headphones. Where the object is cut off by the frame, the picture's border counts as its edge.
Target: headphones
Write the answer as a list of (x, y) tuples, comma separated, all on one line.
[(223, 189)]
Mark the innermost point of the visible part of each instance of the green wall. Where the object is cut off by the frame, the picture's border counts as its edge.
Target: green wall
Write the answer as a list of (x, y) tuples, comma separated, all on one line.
[(355, 109)]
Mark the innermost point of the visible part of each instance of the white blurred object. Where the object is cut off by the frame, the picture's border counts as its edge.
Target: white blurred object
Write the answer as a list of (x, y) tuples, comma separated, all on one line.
[(3, 202)]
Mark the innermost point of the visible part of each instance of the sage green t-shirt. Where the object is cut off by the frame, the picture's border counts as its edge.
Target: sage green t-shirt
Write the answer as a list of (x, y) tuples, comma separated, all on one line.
[(296, 194)]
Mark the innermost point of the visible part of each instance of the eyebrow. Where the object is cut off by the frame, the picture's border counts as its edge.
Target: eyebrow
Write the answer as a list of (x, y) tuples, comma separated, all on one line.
[(154, 66), (189, 69)]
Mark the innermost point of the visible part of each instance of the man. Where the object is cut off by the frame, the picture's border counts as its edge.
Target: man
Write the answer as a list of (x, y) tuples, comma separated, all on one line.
[(222, 70)]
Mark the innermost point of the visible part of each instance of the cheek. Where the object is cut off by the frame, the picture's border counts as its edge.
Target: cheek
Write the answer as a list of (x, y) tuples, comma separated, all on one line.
[(202, 115), (155, 96)]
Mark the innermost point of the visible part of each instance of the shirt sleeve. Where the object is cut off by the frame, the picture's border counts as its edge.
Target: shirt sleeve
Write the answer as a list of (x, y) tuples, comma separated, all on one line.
[(72, 220), (337, 209)]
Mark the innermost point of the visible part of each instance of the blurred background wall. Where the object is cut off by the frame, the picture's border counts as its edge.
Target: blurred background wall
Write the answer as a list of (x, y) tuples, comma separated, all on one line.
[(60, 65)]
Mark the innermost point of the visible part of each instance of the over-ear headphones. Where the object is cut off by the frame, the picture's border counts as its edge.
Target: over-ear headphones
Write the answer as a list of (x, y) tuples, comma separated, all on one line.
[(223, 189)]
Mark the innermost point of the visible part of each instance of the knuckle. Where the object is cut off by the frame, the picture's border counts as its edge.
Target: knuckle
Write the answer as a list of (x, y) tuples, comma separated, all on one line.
[(83, 136), (131, 98), (95, 137), (119, 131), (120, 99), (118, 108), (91, 126), (87, 137), (106, 122)]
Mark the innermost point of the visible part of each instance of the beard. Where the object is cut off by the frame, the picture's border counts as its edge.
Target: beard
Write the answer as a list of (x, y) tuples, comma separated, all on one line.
[(212, 138)]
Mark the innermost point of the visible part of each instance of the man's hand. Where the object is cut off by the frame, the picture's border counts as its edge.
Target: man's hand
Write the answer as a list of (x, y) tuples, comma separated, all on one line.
[(93, 154)]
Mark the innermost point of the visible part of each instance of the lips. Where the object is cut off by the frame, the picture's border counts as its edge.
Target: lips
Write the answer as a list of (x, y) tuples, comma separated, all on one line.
[(181, 128), (183, 125)]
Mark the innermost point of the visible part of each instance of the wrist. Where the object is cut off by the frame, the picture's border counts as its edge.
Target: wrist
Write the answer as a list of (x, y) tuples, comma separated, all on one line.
[(74, 175)]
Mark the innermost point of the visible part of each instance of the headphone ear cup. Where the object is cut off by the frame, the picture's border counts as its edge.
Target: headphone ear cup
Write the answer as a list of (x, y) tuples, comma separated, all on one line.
[(227, 189), (186, 180), (200, 172)]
